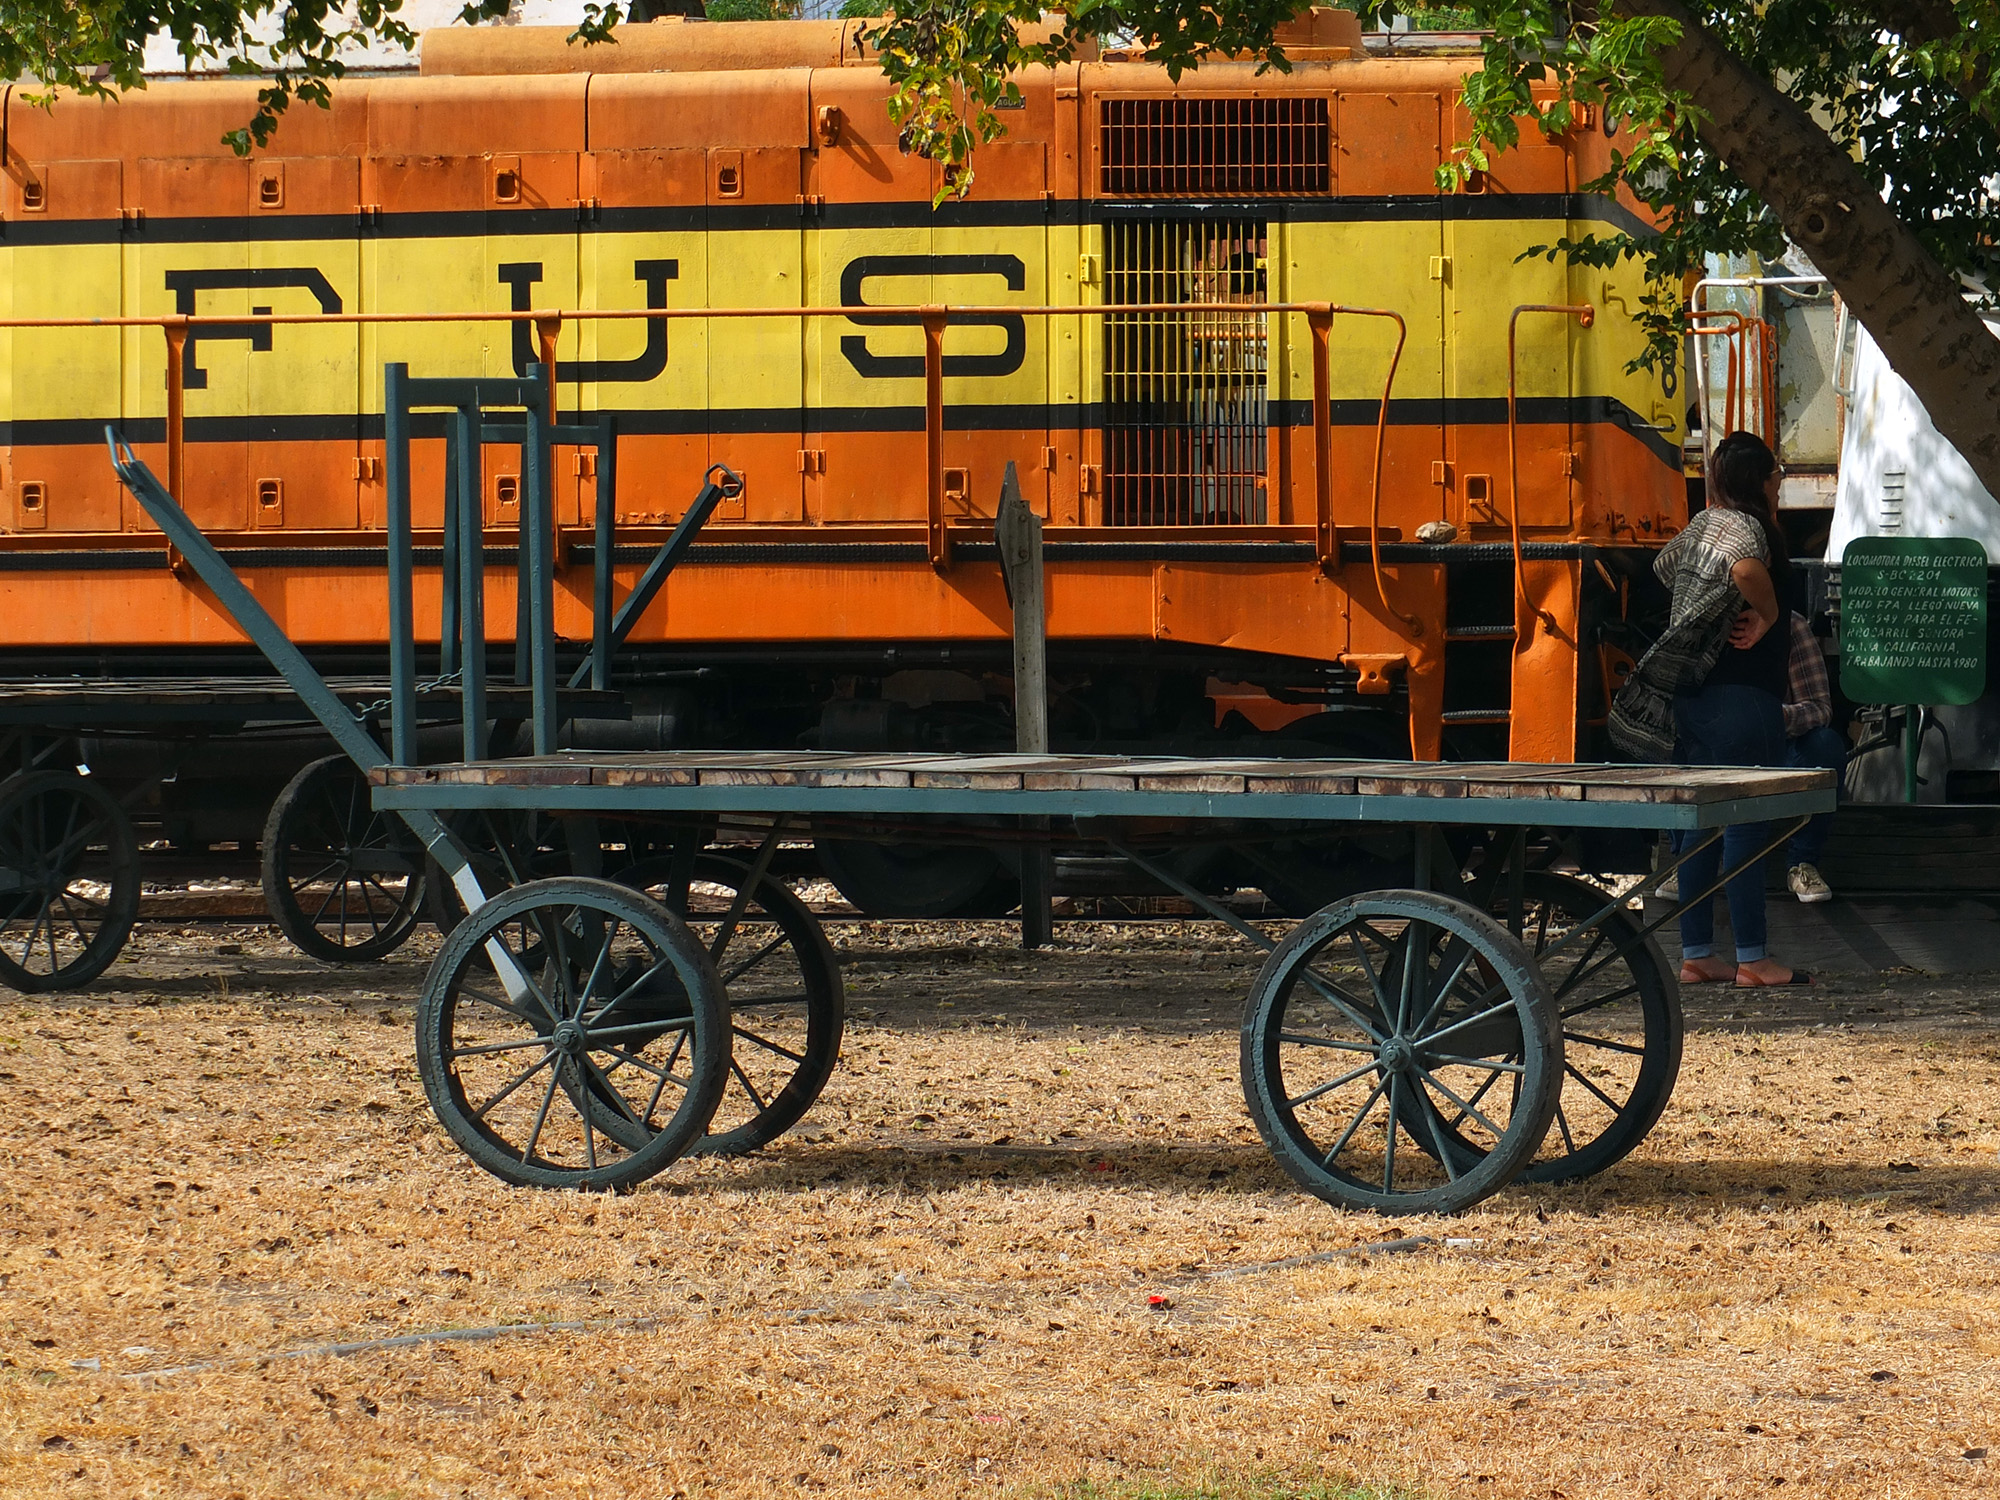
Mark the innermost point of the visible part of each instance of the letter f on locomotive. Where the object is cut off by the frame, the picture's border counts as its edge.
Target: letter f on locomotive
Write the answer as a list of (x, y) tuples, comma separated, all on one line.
[(187, 287)]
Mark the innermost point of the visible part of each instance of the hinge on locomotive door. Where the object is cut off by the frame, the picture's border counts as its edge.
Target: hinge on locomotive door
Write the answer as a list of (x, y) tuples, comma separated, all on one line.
[(812, 461), (1570, 464), (811, 205)]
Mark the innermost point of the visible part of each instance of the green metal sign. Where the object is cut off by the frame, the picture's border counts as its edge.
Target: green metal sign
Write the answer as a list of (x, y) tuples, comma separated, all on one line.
[(1913, 620)]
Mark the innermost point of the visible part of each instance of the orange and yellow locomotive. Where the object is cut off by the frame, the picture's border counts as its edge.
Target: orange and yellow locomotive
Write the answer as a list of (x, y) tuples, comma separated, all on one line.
[(1236, 555)]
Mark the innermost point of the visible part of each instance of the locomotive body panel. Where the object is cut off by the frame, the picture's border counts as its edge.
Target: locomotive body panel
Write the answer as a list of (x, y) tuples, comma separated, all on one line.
[(786, 189)]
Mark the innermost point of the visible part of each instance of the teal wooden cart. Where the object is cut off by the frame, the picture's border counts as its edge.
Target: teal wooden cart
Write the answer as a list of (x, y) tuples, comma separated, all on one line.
[(623, 989)]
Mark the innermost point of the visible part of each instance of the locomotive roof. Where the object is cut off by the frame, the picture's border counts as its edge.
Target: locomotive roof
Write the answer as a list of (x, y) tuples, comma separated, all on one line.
[(533, 38)]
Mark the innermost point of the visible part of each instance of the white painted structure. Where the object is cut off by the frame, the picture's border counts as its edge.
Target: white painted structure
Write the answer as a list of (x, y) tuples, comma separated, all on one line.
[(163, 59), (164, 62), (1898, 475)]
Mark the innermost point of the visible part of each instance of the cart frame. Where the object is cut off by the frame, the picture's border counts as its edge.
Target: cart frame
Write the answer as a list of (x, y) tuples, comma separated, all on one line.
[(1456, 989)]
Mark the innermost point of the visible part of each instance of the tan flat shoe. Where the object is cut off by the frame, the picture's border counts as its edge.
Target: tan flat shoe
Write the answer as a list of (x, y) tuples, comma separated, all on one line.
[(1691, 975), (1745, 980)]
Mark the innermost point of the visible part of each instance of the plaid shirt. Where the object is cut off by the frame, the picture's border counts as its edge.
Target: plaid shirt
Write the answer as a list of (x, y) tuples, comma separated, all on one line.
[(1808, 698)]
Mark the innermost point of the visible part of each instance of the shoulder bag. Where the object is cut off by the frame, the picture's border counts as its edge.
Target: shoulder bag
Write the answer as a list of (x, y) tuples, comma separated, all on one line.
[(1641, 721)]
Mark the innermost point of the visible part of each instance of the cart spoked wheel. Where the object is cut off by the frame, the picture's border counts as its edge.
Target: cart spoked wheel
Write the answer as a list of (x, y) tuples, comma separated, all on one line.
[(573, 1033), (344, 882), (1374, 1017), (786, 999), (1621, 1023), (69, 880), (507, 849)]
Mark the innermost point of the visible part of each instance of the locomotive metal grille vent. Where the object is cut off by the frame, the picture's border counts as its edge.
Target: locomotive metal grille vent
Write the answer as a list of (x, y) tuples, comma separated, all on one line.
[(1186, 394), (1214, 148)]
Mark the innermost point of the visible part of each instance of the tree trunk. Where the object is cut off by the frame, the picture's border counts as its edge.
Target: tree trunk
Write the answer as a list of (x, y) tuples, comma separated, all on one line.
[(1915, 309)]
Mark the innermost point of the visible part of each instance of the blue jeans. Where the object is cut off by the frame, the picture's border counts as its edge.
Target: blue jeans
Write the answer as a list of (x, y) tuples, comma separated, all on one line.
[(1727, 725), (1826, 750)]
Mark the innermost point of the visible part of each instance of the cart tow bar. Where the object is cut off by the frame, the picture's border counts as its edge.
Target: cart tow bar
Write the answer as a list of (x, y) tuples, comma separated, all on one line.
[(255, 621)]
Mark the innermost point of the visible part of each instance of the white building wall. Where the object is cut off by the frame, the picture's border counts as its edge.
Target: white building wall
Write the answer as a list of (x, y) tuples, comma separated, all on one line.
[(1898, 475)]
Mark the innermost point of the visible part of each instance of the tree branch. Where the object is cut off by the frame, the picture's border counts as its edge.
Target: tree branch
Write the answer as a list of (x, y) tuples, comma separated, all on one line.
[(1913, 307), (1919, 21)]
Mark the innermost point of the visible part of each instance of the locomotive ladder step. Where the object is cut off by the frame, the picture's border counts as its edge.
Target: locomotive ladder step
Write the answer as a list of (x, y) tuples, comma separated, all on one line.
[(1479, 632), (1478, 716)]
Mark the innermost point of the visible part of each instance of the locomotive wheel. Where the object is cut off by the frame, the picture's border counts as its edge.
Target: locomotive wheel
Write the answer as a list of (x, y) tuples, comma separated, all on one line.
[(597, 1060), (69, 880), (786, 999), (1620, 1010), (919, 880), (1302, 875), (1374, 1015), (344, 882)]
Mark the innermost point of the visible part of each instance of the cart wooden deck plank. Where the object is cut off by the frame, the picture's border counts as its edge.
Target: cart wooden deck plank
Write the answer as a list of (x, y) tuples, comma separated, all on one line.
[(1090, 786)]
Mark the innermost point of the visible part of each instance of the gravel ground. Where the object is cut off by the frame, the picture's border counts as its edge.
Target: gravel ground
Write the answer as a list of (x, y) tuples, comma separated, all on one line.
[(1027, 1240)]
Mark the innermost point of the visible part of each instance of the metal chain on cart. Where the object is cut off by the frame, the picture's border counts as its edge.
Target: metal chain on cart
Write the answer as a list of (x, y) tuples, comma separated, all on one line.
[(366, 711)]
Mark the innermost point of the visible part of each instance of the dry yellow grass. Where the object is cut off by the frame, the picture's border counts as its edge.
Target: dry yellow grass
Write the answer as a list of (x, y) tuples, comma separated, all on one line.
[(941, 1283)]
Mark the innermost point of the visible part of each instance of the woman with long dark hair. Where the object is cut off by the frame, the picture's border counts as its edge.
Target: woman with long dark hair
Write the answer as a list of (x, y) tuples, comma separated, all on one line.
[(1736, 716)]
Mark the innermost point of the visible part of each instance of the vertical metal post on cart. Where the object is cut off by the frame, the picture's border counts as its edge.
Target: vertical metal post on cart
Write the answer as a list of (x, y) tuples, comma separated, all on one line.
[(463, 643), (466, 544), (449, 629), (606, 524), (1018, 531), (538, 531), (402, 610)]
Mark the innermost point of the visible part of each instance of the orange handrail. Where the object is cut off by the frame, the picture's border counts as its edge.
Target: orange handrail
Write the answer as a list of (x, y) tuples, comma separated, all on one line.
[(1751, 346), (1729, 402), (1585, 315), (603, 314), (935, 321), (1328, 548), (934, 317), (1767, 385), (1735, 400)]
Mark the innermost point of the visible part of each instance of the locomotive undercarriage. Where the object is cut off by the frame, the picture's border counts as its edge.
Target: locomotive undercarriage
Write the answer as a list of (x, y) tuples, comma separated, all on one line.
[(199, 793)]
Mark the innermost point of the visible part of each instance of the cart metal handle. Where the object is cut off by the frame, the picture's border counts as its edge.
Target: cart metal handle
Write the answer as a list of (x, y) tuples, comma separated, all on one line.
[(255, 621)]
